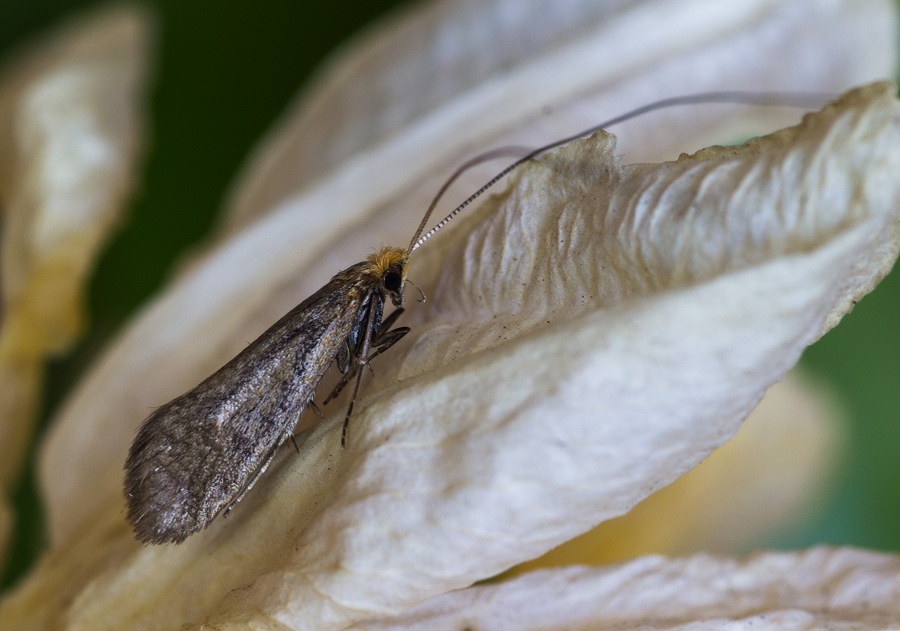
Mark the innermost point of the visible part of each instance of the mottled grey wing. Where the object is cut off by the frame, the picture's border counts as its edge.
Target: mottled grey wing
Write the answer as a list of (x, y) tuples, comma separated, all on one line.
[(196, 454)]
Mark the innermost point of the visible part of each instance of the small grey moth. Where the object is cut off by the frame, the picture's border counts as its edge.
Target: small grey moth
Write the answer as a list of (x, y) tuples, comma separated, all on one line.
[(196, 456)]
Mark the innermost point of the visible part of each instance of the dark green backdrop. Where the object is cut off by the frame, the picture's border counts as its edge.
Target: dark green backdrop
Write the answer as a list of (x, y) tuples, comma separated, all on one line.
[(224, 71)]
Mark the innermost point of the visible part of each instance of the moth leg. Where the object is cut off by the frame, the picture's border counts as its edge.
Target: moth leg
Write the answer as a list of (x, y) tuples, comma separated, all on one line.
[(361, 358), (345, 379), (381, 343), (345, 352), (315, 407), (388, 322), (384, 341), (371, 340), (343, 357), (350, 409), (265, 465)]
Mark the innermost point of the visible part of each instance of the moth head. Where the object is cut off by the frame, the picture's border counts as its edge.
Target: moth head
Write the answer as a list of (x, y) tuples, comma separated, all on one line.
[(389, 265)]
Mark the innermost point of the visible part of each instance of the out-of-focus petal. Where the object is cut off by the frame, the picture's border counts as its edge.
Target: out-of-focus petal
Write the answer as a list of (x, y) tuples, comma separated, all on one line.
[(6, 523), (401, 108), (69, 129), (826, 588), (772, 474)]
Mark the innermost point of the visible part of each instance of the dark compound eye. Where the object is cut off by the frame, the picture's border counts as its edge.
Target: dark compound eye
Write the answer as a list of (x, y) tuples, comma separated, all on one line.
[(392, 281)]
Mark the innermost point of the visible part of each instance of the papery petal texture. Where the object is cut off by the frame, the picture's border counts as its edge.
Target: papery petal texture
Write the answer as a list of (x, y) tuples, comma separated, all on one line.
[(824, 588), (379, 195), (524, 438), (589, 335), (532, 427)]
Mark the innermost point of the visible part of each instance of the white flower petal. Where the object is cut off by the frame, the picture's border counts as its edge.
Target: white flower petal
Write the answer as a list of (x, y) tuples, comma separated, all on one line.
[(472, 466), (69, 136), (502, 454), (775, 472), (407, 104), (466, 468), (825, 588), (255, 278), (510, 451)]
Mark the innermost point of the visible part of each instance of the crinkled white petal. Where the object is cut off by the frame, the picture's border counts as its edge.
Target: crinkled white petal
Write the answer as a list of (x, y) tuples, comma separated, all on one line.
[(639, 344), (841, 589), (253, 279), (648, 355), (69, 106)]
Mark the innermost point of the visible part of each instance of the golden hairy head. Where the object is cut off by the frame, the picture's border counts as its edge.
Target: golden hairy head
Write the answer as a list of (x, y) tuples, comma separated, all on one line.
[(388, 265), (387, 259)]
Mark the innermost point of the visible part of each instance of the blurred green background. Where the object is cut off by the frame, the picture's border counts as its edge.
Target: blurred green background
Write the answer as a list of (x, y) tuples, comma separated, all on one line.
[(224, 71)]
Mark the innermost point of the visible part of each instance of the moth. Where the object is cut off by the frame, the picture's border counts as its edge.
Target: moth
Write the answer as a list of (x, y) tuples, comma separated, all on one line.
[(196, 456)]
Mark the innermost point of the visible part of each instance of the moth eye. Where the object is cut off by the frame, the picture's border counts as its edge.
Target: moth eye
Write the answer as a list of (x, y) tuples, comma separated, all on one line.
[(392, 281)]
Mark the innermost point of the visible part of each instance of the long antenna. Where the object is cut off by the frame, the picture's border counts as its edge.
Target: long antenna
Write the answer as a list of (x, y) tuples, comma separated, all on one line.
[(465, 166), (779, 99)]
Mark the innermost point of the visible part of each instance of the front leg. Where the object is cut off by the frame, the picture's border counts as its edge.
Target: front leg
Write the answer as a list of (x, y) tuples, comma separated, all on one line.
[(381, 343)]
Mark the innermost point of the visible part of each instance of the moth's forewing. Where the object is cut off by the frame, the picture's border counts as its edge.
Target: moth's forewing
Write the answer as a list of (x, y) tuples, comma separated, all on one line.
[(195, 455)]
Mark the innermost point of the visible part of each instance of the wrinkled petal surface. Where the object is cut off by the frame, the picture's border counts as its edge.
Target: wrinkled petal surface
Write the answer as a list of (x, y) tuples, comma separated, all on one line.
[(840, 589), (589, 335), (379, 195), (572, 407)]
